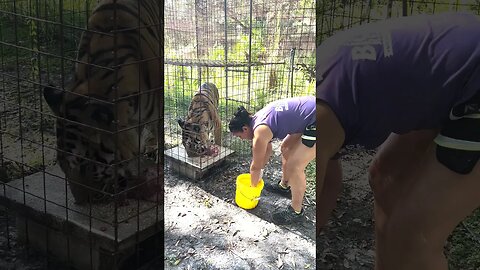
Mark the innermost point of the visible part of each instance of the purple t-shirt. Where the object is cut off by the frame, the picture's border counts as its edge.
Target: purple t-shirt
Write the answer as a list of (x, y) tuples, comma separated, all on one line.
[(399, 75), (286, 116)]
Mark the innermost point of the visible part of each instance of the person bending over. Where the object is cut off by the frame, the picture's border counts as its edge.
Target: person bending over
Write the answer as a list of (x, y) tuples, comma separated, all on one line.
[(410, 85), (292, 120)]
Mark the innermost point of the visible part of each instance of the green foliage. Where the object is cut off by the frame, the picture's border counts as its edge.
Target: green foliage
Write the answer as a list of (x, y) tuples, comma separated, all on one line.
[(24, 39), (311, 175), (217, 54), (43, 26), (464, 243), (178, 88)]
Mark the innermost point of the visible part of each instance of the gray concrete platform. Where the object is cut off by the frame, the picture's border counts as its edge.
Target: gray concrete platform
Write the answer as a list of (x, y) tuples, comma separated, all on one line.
[(96, 234), (194, 167)]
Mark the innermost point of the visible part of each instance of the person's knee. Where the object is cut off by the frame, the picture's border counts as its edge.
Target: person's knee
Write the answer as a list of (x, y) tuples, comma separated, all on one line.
[(296, 162), (375, 177), (291, 166), (294, 168)]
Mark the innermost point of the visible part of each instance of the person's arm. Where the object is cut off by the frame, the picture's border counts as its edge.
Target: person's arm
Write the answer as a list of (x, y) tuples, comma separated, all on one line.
[(261, 139), (330, 138), (327, 199), (268, 154)]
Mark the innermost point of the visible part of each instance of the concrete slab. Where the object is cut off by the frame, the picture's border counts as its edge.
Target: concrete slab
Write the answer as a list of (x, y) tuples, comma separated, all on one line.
[(194, 167), (45, 200)]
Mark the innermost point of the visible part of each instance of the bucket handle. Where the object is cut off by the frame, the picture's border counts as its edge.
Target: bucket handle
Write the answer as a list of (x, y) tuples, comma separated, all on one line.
[(254, 199)]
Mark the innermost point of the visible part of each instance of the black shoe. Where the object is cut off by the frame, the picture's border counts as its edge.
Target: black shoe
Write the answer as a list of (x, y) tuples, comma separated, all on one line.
[(287, 216), (279, 189)]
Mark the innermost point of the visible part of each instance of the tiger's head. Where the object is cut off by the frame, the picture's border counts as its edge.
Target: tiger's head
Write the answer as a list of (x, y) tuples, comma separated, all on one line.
[(195, 138), (83, 131), (79, 118)]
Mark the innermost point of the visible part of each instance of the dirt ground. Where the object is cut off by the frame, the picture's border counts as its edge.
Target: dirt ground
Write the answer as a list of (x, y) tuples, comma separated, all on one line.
[(242, 235), (348, 240)]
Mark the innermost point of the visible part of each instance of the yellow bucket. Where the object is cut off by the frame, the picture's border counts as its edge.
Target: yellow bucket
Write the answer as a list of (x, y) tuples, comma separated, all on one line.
[(246, 196)]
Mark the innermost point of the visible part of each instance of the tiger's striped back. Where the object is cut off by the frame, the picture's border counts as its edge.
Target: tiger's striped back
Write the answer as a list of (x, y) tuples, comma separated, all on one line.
[(112, 107)]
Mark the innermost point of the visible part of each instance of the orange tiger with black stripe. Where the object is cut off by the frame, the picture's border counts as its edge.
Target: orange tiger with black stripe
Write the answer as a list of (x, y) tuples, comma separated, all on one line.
[(202, 122), (115, 95)]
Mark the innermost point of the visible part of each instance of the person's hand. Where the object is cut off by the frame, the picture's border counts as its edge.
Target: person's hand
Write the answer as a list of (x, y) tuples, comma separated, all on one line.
[(252, 184), (255, 180)]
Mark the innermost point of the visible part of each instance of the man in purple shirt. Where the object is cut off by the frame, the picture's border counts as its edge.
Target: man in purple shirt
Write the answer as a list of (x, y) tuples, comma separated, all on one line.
[(293, 121), (411, 85)]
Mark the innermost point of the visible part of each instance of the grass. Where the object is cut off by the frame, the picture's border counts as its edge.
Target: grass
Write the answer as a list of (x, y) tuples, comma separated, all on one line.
[(310, 173), (464, 244)]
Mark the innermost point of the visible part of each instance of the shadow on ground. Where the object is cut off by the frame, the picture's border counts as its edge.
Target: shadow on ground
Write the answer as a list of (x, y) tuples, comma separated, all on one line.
[(220, 181)]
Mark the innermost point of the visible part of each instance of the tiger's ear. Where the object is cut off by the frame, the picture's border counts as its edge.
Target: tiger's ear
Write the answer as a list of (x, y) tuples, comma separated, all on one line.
[(54, 98), (181, 122)]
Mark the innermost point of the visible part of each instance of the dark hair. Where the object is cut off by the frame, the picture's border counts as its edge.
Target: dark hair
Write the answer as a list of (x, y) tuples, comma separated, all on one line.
[(240, 119)]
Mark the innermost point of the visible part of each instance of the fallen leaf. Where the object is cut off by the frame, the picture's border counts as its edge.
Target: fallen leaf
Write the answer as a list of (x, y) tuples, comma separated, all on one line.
[(279, 262)]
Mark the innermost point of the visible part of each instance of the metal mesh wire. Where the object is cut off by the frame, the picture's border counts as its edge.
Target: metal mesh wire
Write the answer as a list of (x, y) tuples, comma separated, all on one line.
[(39, 42), (254, 51), (336, 15)]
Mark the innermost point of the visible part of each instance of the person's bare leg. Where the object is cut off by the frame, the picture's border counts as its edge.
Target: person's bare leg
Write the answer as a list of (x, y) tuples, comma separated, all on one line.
[(288, 145), (390, 175), (327, 197), (299, 158), (422, 220), (284, 181)]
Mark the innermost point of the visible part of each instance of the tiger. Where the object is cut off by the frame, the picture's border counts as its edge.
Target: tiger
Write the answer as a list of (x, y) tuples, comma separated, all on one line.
[(114, 96), (202, 120)]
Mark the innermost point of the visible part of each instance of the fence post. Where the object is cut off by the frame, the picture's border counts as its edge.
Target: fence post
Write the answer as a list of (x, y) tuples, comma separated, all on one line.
[(292, 67), (225, 48), (389, 8), (249, 58)]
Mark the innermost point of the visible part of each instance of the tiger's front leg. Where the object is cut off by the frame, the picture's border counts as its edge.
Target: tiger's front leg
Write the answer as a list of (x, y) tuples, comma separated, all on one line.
[(214, 150), (218, 130)]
